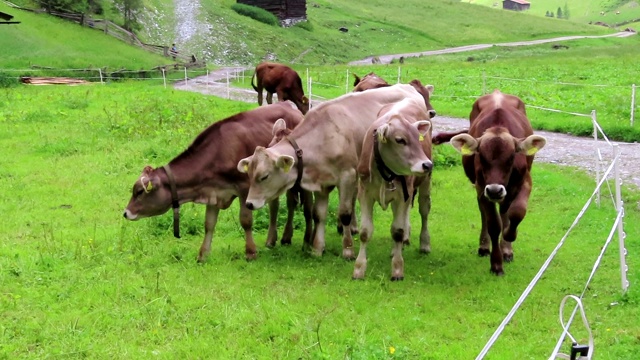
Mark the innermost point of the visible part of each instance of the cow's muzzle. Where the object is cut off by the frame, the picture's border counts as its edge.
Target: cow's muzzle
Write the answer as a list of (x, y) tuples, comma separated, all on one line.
[(254, 204), (129, 215), (432, 114), (495, 192)]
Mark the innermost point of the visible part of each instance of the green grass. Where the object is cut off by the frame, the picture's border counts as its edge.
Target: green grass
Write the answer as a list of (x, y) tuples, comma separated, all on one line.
[(78, 281)]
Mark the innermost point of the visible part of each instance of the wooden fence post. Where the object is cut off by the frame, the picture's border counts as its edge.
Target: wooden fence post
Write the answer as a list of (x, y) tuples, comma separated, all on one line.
[(633, 103)]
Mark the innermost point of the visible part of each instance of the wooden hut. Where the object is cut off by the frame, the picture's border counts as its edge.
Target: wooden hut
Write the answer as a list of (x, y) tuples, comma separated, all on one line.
[(283, 9), (516, 5)]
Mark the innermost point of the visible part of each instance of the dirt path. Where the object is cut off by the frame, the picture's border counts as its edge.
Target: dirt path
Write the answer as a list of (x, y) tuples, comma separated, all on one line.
[(561, 149), (386, 59)]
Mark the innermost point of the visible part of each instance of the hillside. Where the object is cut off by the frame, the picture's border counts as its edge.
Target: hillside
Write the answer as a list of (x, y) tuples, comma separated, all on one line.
[(209, 28)]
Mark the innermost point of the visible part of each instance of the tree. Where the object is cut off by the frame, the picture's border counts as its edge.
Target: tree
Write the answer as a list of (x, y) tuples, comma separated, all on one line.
[(566, 11), (129, 10), (559, 13)]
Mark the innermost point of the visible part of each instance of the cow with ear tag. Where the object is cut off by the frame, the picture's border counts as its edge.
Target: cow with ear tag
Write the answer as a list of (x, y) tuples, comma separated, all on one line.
[(395, 164), (497, 155), (206, 173)]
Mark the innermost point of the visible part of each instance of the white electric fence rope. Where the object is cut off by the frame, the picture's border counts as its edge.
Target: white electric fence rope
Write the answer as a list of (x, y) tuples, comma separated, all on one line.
[(579, 305), (544, 267)]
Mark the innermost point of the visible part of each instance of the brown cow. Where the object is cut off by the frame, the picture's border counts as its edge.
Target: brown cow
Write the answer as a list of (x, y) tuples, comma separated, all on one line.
[(367, 82), (497, 155), (206, 173), (395, 160), (282, 80)]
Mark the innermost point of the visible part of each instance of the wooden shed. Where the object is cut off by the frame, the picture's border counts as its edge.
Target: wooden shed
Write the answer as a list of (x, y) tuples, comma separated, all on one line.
[(516, 5), (283, 9)]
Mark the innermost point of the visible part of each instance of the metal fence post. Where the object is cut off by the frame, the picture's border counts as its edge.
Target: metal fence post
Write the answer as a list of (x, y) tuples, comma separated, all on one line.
[(164, 78), (228, 94), (399, 74), (633, 103), (310, 94), (185, 75), (100, 71), (594, 122), (620, 208)]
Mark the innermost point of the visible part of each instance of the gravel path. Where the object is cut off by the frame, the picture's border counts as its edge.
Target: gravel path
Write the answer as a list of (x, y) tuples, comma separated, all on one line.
[(561, 149)]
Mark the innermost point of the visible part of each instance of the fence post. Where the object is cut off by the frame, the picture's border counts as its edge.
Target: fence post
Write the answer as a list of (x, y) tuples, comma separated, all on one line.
[(100, 71), (310, 82), (594, 122), (619, 207), (207, 83), (228, 94), (346, 84), (164, 79), (633, 103), (185, 76), (399, 71)]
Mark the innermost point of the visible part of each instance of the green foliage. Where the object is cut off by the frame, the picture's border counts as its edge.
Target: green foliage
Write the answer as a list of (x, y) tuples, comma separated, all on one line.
[(256, 13), (306, 25), (130, 11)]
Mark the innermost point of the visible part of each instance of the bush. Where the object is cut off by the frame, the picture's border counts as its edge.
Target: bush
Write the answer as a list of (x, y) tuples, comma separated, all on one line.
[(256, 13), (306, 25), (8, 80)]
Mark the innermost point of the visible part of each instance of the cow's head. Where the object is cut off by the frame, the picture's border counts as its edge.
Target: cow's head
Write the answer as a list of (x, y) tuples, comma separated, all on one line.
[(495, 152), (303, 105), (368, 82), (150, 196), (270, 175), (400, 146), (279, 131), (426, 92)]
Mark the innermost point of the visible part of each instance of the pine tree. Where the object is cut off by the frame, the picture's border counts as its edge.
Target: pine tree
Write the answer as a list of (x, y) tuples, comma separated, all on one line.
[(566, 11), (559, 14)]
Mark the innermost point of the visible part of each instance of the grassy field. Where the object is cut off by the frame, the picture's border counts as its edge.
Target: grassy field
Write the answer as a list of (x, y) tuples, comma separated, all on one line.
[(78, 281)]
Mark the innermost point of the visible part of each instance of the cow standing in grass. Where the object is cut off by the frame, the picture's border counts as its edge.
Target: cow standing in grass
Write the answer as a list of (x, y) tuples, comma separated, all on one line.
[(206, 173), (395, 160), (282, 80), (497, 154)]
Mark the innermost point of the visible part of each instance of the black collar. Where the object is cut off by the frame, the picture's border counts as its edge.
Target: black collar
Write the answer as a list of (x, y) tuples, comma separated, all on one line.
[(384, 171), (298, 161)]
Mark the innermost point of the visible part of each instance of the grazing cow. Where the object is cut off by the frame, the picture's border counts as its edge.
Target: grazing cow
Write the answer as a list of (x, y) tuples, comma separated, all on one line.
[(206, 173), (395, 160), (282, 80), (497, 154), (324, 152), (367, 82)]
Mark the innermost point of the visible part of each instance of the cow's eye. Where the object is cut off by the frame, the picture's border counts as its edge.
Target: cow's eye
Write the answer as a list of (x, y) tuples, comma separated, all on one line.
[(139, 192), (263, 178), (401, 141)]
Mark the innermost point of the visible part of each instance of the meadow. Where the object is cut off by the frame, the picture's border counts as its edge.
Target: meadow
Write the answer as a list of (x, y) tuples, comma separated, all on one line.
[(79, 281)]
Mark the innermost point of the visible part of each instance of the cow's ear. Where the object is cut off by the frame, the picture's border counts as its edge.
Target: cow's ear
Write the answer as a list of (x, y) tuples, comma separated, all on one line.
[(383, 133), (531, 144), (285, 162), (147, 170), (429, 88), (305, 100), (465, 144), (243, 165), (357, 79), (423, 126), (279, 126)]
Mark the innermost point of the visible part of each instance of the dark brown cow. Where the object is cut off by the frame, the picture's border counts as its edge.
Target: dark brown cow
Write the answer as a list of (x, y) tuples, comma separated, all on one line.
[(497, 154), (207, 173), (282, 80), (367, 82)]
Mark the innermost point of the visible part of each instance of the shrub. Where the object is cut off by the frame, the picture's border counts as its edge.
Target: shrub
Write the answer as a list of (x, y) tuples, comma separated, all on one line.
[(306, 25), (256, 13), (8, 80)]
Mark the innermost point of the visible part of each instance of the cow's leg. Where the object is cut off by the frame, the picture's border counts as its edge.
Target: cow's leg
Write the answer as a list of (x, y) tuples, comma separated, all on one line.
[(354, 219), (514, 214), (246, 221), (269, 97), (398, 234), (307, 209), (348, 185), (210, 220), (493, 226), (272, 233), (259, 94), (484, 247), (292, 202), (507, 249), (424, 205), (319, 218), (366, 232)]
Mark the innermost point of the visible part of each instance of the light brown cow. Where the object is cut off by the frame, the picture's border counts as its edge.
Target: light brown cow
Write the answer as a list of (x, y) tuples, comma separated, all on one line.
[(395, 160), (368, 82), (330, 139), (282, 80), (497, 155), (206, 173)]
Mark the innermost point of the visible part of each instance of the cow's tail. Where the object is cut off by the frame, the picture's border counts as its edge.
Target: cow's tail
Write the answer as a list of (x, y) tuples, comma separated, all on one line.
[(252, 84)]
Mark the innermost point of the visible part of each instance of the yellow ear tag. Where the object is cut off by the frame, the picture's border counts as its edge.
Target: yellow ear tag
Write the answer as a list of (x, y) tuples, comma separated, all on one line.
[(246, 168), (532, 151), (465, 150), (381, 138), (421, 137), (149, 187), (286, 168)]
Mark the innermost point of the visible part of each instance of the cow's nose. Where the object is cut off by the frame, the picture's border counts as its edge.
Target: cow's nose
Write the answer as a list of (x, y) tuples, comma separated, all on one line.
[(250, 205), (125, 214), (427, 166), (495, 192), (432, 113)]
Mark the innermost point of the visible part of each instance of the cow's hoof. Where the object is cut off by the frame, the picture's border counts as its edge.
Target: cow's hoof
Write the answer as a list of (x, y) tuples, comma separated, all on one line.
[(499, 272), (251, 256), (483, 252), (285, 242), (270, 245), (201, 260), (317, 253), (397, 278), (425, 250), (348, 254), (507, 257)]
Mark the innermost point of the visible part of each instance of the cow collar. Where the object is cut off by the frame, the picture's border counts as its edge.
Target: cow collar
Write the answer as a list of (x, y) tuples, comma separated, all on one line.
[(299, 165), (174, 201), (384, 171)]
